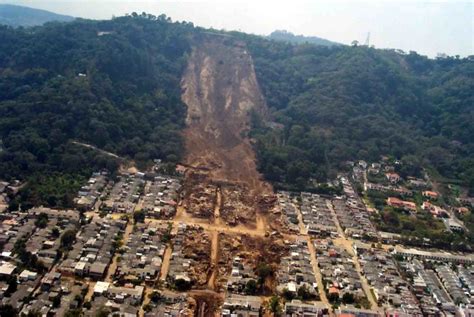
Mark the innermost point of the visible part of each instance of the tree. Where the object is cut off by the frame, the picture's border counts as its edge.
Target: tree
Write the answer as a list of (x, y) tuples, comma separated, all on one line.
[(304, 293), (34, 313), (56, 302), (147, 308), (288, 295), (41, 220), (139, 216), (274, 305), (8, 310), (102, 312), (348, 298), (251, 287), (182, 285), (333, 297), (264, 270), (68, 238), (155, 296), (55, 232), (12, 285)]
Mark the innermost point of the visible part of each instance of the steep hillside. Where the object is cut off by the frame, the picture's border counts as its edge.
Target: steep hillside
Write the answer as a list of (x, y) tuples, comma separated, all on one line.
[(346, 103), (116, 85), (14, 15), (112, 84), (220, 90)]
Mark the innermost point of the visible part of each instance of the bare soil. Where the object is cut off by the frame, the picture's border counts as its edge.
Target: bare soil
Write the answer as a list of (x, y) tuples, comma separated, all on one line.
[(220, 90)]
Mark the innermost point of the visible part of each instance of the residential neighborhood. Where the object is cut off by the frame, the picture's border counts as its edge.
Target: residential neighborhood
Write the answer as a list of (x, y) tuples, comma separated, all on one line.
[(132, 248)]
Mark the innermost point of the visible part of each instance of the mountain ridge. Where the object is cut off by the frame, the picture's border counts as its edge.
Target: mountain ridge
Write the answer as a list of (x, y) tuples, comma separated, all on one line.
[(15, 15)]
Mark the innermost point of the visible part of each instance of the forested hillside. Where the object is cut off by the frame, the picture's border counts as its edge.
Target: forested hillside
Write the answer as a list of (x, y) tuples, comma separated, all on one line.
[(347, 103), (113, 84), (116, 85)]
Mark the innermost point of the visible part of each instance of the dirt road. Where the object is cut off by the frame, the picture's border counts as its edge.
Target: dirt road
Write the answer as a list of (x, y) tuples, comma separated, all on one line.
[(347, 243), (165, 266), (214, 259), (113, 265)]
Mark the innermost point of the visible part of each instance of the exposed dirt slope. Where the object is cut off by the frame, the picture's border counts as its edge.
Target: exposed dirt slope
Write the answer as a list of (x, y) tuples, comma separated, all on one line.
[(220, 88)]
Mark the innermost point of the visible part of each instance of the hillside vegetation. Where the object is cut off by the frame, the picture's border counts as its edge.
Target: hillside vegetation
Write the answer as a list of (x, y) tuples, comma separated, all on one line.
[(347, 103), (116, 85), (118, 90)]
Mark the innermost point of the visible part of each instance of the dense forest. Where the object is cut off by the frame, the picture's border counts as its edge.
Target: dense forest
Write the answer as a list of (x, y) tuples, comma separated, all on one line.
[(113, 84), (116, 85), (334, 104)]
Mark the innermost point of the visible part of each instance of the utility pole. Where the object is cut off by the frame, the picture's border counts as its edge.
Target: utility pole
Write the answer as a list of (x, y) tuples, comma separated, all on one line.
[(367, 40)]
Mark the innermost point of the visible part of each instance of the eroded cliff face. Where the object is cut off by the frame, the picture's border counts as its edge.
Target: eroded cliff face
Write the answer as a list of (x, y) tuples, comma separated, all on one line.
[(220, 89)]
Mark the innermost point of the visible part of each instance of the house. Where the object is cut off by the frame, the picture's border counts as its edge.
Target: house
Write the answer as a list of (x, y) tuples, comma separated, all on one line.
[(462, 210), (298, 308), (392, 177), (97, 270), (417, 183), (430, 194), (452, 225), (434, 210), (7, 269), (398, 203), (80, 268), (100, 288), (27, 276), (363, 164)]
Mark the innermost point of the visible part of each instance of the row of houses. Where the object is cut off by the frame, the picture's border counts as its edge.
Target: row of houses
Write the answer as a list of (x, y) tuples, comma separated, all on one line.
[(89, 193), (93, 249), (31, 246), (124, 194), (317, 217), (338, 271), (288, 211), (161, 196), (453, 285), (296, 270), (427, 287), (434, 255), (241, 274), (142, 253), (352, 213), (389, 288), (119, 300)]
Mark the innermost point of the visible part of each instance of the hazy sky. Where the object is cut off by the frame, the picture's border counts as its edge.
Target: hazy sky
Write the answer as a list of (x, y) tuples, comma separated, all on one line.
[(426, 27)]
